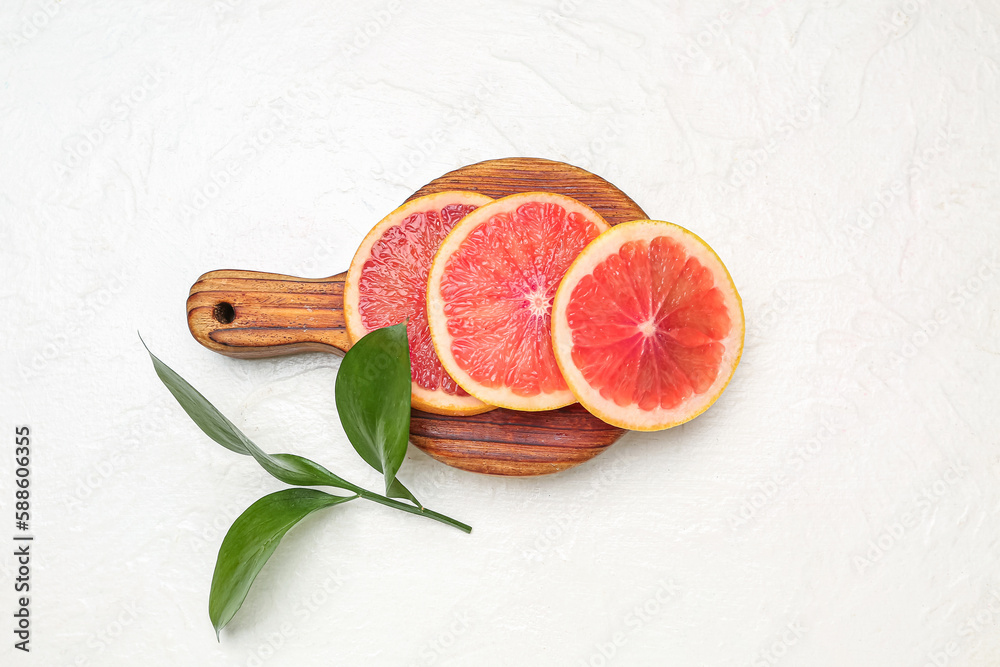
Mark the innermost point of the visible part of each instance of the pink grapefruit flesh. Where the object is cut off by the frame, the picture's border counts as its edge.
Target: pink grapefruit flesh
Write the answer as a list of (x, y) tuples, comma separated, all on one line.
[(490, 291), (647, 326), (387, 284)]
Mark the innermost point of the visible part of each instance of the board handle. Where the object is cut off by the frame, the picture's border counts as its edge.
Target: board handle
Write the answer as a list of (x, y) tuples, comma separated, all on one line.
[(248, 314)]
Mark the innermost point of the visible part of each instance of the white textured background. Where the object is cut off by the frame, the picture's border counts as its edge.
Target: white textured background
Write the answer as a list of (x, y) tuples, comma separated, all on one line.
[(839, 504)]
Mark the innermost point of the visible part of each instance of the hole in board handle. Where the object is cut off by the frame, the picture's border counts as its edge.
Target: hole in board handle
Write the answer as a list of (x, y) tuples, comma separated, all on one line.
[(224, 313)]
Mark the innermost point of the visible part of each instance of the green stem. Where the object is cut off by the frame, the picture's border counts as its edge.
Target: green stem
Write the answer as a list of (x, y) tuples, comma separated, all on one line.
[(389, 502)]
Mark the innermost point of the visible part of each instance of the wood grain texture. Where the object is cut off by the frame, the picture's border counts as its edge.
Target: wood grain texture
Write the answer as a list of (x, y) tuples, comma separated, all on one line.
[(507, 442), (508, 176), (273, 315)]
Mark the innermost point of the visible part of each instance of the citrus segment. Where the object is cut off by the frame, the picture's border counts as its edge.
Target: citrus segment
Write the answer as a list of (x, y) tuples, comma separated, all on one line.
[(647, 326), (490, 292), (387, 284)]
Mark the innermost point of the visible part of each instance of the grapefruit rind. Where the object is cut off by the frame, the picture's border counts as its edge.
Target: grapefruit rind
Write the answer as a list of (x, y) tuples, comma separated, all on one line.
[(435, 401), (499, 396), (630, 416)]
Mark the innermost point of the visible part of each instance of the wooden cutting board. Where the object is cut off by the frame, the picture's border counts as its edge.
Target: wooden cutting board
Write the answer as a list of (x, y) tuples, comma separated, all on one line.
[(248, 314)]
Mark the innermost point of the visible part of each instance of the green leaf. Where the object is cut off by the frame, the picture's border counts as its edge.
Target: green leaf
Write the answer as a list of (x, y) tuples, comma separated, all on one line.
[(373, 398), (211, 421), (251, 540), (397, 490), (288, 468), (299, 471)]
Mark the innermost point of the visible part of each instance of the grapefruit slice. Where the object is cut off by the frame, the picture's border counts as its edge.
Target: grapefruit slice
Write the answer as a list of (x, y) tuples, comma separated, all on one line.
[(647, 326), (489, 297), (387, 284)]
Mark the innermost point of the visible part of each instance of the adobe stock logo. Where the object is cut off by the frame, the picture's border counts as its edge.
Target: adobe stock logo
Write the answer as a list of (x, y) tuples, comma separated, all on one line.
[(984, 617), (749, 163), (697, 48), (919, 336), (302, 611), (634, 621), (886, 196), (762, 494), (77, 148), (903, 523), (32, 25), (419, 152), (82, 313), (438, 645), (225, 173), (366, 33), (779, 647)]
